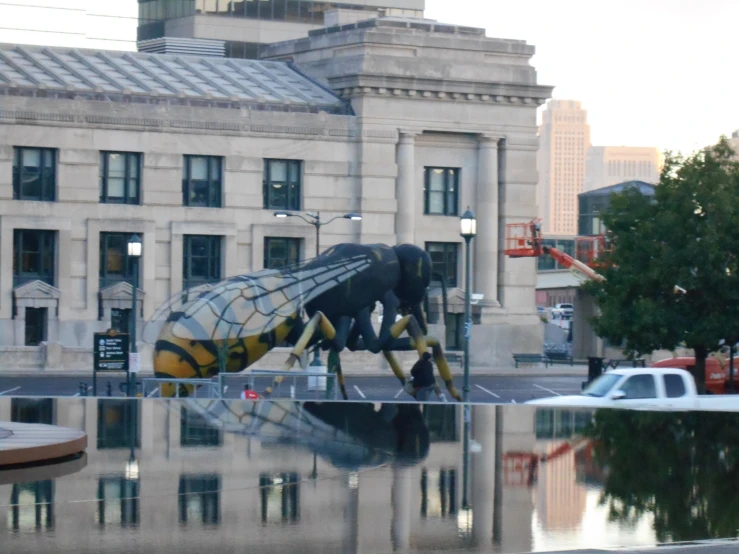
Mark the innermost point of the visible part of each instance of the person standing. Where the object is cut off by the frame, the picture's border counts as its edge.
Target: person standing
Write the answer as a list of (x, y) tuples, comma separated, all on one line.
[(423, 377), (248, 394)]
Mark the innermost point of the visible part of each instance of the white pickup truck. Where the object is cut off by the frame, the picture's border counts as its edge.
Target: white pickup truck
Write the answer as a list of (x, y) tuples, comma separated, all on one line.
[(648, 388)]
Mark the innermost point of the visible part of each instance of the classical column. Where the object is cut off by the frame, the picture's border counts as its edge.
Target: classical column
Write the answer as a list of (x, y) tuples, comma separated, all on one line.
[(405, 188), (486, 243), (483, 474), (402, 506)]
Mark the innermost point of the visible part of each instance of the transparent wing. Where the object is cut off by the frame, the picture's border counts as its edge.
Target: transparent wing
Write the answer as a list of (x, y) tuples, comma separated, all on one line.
[(248, 305)]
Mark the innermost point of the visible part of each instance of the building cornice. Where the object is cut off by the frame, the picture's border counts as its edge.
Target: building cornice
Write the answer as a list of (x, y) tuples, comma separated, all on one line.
[(443, 91)]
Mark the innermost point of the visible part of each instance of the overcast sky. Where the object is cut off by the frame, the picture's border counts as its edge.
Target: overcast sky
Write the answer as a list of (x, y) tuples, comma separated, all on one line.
[(649, 72)]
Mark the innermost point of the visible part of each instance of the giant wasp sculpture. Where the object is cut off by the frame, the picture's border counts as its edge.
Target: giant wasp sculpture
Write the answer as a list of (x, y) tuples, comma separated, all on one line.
[(247, 315)]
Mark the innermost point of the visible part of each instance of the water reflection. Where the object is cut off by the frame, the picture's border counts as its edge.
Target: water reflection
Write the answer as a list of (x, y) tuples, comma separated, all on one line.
[(685, 476), (204, 475)]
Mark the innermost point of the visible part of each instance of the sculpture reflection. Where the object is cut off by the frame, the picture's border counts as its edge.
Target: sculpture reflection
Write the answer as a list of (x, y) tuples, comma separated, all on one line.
[(348, 435), (683, 469)]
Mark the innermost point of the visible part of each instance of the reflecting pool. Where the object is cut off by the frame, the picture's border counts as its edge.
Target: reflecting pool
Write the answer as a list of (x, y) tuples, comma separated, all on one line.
[(198, 476)]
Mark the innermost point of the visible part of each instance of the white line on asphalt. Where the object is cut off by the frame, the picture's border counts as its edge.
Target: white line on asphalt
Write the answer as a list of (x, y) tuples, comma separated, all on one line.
[(152, 393), (487, 391), (399, 392), (359, 391), (76, 394), (225, 389), (9, 390), (548, 390)]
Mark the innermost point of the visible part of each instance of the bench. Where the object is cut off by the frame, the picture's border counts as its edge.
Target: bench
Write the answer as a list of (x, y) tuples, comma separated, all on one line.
[(613, 364), (531, 359), (455, 356), (559, 358)]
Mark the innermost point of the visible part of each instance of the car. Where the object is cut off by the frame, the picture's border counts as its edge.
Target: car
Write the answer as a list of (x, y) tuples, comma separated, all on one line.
[(563, 311), (651, 388)]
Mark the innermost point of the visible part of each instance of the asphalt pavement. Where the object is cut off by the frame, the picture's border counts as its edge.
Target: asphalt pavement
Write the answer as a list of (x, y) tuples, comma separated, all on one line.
[(483, 388)]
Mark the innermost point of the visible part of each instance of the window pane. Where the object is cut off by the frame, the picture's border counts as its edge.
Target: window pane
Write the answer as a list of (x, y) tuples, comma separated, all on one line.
[(31, 174), (31, 158), (674, 386), (278, 195), (133, 165), (436, 202), (215, 169), (639, 386), (198, 168), (294, 172), (436, 179), (278, 171)]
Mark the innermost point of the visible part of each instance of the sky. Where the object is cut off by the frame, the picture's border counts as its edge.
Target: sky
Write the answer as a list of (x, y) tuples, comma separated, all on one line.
[(659, 73)]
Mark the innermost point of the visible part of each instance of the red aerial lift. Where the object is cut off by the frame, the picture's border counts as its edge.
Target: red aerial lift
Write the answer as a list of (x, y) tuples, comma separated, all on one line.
[(524, 240)]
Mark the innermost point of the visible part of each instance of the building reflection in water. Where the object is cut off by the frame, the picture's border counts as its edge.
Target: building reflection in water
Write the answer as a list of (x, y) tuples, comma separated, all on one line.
[(346, 477)]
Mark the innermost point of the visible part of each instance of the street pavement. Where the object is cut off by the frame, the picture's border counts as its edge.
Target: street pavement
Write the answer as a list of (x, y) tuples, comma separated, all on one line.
[(483, 388)]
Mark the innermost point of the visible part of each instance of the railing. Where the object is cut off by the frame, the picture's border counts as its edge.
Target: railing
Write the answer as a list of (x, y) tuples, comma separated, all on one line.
[(316, 382), (321, 384), (208, 387)]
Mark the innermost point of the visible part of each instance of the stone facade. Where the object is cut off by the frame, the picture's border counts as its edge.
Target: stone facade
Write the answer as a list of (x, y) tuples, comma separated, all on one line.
[(434, 96)]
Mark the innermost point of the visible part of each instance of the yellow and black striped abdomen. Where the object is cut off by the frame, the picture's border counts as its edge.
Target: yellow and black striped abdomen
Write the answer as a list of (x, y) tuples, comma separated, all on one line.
[(180, 358)]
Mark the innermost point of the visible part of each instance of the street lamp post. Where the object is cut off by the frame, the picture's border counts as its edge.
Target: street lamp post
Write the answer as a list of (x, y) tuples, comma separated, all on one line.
[(134, 252), (315, 220), (468, 230)]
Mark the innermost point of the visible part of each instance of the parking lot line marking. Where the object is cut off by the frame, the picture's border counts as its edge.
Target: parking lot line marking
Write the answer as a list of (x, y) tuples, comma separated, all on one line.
[(359, 391), (548, 390), (9, 390), (399, 393), (152, 393), (487, 391)]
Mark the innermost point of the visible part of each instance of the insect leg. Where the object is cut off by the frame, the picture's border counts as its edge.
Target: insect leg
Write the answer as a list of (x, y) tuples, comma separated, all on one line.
[(318, 321), (422, 343), (334, 364), (394, 365)]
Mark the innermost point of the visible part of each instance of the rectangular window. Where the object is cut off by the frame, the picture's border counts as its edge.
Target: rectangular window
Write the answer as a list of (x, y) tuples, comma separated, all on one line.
[(454, 331), (120, 177), (280, 497), (120, 319), (202, 181), (442, 422), (443, 261), (32, 506), (35, 326), (200, 499), (280, 252), (34, 174), (34, 253), (115, 264), (32, 410), (117, 424), (282, 184), (441, 186), (196, 431), (201, 262), (118, 501)]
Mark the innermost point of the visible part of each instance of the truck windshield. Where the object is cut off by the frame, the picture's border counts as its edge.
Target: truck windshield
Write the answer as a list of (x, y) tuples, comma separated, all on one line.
[(600, 386)]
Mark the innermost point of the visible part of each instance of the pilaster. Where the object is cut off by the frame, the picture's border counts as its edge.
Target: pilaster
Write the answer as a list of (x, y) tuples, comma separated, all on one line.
[(405, 188), (486, 242)]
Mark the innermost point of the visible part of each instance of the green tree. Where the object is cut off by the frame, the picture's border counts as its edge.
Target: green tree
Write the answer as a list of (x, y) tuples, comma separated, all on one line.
[(682, 474), (685, 235)]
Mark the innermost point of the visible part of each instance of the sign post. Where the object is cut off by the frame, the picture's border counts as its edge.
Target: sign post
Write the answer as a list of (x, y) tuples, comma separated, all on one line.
[(110, 353)]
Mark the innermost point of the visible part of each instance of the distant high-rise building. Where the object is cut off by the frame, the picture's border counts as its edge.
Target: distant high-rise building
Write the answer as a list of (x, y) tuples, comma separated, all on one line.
[(608, 165), (564, 139), (246, 25)]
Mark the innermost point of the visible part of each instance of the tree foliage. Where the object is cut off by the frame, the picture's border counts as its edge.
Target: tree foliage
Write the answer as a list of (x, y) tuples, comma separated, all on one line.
[(685, 235), (684, 475)]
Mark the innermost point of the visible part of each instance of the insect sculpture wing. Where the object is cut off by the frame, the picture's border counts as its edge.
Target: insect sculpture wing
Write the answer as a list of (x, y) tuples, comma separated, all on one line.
[(248, 305)]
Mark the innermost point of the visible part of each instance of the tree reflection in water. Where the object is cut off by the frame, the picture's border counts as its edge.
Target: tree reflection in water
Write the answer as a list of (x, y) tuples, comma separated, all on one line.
[(683, 468)]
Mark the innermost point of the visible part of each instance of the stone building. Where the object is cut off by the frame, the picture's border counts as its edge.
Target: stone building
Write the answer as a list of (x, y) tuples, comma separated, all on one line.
[(406, 121)]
